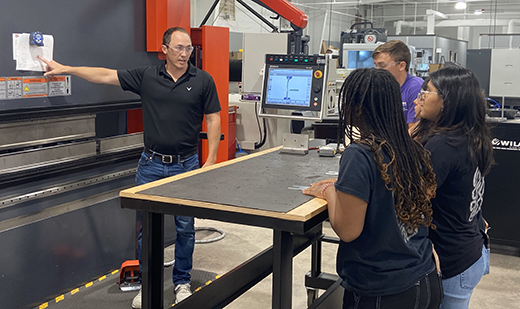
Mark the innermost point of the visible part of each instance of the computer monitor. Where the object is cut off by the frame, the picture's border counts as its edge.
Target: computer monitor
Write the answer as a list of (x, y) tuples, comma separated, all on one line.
[(423, 67), (358, 55), (358, 59)]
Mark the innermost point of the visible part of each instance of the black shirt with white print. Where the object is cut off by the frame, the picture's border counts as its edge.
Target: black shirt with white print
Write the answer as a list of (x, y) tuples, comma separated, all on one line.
[(457, 204)]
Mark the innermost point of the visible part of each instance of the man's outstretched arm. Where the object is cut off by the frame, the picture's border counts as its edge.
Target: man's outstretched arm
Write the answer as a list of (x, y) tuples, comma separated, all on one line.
[(91, 74)]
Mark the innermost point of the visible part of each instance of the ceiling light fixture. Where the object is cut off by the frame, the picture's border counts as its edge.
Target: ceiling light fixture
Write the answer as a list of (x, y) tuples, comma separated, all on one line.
[(479, 12), (460, 5)]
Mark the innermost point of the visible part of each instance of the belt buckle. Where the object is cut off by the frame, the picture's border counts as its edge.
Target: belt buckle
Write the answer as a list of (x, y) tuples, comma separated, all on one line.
[(164, 157)]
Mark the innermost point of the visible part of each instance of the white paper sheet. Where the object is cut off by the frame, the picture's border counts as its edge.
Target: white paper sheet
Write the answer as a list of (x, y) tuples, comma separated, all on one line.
[(26, 54)]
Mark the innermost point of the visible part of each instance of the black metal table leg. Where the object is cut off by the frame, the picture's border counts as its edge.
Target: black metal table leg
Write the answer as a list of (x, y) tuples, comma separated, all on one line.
[(282, 269), (316, 258), (312, 292), (152, 261)]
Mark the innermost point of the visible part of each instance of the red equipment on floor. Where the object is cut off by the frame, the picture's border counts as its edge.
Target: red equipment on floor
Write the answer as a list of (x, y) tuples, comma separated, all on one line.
[(129, 276)]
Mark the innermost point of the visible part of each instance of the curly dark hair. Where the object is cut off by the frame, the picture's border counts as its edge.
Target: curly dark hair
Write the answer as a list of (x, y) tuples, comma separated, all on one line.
[(370, 100)]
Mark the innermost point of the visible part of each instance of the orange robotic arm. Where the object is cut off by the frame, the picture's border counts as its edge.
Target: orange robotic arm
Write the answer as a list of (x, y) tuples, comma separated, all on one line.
[(287, 10)]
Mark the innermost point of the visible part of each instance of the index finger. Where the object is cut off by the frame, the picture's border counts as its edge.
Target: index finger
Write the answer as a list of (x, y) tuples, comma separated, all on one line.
[(43, 59)]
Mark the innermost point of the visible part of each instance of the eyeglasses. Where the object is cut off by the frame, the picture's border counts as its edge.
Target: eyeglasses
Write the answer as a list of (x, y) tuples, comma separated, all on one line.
[(383, 65), (180, 48), (422, 94)]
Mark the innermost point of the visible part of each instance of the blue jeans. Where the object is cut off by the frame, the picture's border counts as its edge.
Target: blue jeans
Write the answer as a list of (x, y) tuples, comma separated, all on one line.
[(153, 169), (458, 289)]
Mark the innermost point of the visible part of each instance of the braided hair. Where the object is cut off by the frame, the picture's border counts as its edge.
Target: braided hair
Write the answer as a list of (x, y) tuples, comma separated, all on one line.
[(370, 100)]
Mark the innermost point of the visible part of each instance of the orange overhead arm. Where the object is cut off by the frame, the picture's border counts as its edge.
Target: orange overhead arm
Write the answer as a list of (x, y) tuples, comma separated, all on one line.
[(287, 10)]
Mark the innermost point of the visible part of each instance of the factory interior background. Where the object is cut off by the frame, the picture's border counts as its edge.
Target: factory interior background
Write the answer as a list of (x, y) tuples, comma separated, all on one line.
[(69, 147)]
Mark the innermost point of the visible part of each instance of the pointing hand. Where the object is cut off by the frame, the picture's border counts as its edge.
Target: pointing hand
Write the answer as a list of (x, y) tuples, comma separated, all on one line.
[(53, 67)]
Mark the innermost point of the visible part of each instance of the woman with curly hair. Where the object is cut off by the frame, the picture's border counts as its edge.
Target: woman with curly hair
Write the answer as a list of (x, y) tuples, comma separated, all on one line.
[(380, 204), (456, 134)]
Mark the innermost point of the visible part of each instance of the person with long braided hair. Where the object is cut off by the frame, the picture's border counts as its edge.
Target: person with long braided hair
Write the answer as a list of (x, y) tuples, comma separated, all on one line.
[(380, 204), (456, 134)]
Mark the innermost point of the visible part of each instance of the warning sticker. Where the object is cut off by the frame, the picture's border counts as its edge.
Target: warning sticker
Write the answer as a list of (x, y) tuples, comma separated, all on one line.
[(18, 87), (14, 87), (34, 87), (3, 88), (59, 85)]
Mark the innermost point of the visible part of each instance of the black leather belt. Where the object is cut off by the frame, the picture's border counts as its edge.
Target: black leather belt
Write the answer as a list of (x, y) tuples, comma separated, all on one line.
[(170, 158)]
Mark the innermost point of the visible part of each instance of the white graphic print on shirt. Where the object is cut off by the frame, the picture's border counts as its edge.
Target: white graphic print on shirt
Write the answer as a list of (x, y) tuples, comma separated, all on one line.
[(407, 233), (477, 195)]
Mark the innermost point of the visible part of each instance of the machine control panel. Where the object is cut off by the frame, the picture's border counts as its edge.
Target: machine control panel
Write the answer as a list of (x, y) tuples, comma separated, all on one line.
[(294, 82)]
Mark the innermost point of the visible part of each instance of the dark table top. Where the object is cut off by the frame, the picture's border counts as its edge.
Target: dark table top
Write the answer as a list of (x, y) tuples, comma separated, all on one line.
[(256, 184)]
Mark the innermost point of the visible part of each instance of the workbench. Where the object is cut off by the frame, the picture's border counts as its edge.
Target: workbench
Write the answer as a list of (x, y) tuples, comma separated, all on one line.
[(252, 190)]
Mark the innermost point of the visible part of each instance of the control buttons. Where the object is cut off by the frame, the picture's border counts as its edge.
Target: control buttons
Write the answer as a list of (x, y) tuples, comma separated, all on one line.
[(317, 89), (318, 74), (295, 59)]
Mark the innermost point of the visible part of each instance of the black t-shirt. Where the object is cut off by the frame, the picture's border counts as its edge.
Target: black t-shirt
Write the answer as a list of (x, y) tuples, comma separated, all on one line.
[(384, 259), (172, 111), (457, 204)]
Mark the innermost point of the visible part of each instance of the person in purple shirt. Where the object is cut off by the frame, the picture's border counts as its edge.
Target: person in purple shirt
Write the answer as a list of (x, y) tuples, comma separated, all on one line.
[(394, 56)]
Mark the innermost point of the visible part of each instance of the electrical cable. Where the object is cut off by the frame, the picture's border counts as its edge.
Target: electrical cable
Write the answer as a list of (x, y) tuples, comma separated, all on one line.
[(496, 104), (169, 263), (202, 241), (254, 19), (264, 137), (257, 120), (212, 229)]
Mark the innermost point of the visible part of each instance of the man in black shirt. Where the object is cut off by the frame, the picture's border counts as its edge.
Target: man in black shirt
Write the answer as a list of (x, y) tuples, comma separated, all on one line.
[(175, 98)]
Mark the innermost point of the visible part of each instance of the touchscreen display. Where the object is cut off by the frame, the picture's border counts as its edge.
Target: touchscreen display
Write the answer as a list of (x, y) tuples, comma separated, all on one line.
[(290, 87)]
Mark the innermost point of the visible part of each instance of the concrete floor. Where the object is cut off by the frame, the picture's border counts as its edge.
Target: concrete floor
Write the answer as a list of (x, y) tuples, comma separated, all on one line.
[(499, 289)]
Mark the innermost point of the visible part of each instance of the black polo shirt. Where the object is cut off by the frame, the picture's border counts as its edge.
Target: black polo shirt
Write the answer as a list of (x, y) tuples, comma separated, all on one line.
[(172, 111)]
